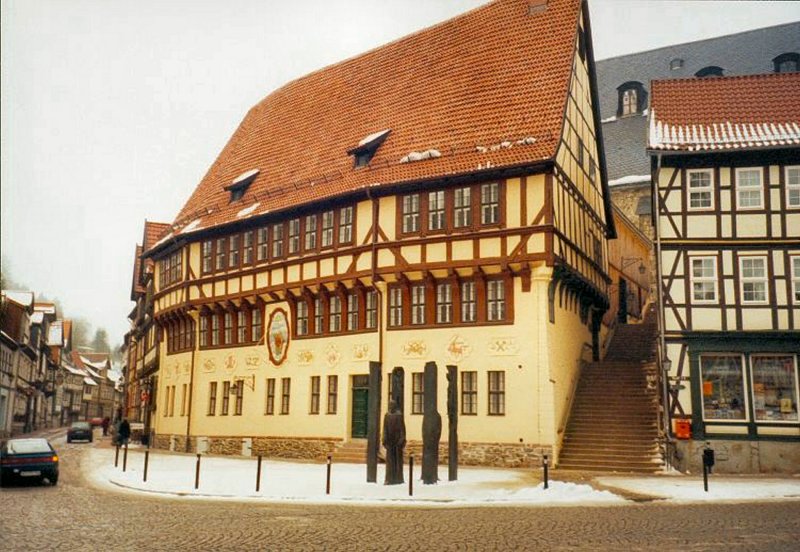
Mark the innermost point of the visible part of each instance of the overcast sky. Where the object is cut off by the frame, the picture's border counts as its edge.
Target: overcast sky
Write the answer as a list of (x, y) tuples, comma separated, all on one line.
[(112, 110)]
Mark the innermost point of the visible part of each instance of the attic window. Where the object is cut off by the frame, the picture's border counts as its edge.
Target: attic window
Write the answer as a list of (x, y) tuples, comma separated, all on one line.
[(788, 62), (632, 98), (366, 148), (676, 63), (239, 186), (710, 71)]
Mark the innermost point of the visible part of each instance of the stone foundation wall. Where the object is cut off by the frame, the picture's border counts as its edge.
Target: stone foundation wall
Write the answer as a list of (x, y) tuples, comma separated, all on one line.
[(280, 447), (499, 455), (739, 456)]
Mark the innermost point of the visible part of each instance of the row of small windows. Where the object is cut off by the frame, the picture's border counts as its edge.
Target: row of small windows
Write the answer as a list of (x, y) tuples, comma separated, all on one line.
[(496, 393), (356, 310), (749, 188), (236, 389), (170, 269), (299, 235), (453, 209), (314, 397), (753, 280), (231, 327), (169, 400)]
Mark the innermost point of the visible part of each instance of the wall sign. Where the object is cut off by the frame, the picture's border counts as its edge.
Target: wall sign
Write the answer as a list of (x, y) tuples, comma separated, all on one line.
[(278, 336)]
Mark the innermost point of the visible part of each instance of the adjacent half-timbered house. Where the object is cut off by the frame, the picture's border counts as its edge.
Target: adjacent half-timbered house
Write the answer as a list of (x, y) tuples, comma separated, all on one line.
[(441, 198), (726, 177)]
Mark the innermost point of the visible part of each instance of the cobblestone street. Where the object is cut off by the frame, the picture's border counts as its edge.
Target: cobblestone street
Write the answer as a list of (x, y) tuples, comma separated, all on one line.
[(76, 516)]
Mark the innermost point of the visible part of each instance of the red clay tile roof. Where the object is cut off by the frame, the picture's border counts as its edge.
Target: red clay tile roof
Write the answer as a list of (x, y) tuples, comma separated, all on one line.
[(496, 74), (153, 231), (725, 112)]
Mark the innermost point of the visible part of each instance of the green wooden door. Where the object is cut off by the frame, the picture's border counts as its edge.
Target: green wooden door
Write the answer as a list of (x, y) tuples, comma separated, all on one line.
[(359, 419)]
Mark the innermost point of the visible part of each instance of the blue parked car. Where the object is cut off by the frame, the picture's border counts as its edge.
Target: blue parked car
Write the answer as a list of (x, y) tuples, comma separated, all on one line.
[(28, 459)]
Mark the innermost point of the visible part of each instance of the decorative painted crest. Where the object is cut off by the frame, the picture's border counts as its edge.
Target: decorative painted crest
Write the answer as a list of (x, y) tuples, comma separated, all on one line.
[(415, 348), (253, 361), (230, 363), (458, 349), (305, 357), (209, 366), (503, 346), (361, 351), (187, 367), (332, 355), (278, 336)]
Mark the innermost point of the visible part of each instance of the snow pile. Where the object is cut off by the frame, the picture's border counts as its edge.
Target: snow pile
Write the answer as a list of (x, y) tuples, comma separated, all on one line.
[(420, 156), (630, 179), (247, 210), (684, 488)]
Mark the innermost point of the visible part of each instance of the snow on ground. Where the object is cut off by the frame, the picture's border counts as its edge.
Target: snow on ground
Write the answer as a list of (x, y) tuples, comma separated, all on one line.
[(720, 487)]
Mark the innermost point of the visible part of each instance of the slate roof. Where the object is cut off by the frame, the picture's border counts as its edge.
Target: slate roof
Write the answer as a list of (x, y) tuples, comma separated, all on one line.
[(754, 111), (499, 73), (746, 53)]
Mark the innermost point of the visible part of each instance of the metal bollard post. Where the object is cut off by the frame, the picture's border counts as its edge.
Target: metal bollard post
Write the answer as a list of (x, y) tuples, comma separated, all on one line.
[(545, 464), (410, 475), (146, 460), (116, 457), (258, 474), (125, 458), (705, 478), (328, 482), (197, 473)]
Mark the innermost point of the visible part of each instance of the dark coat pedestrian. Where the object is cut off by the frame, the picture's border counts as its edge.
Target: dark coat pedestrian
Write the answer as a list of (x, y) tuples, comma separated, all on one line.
[(106, 423), (124, 432)]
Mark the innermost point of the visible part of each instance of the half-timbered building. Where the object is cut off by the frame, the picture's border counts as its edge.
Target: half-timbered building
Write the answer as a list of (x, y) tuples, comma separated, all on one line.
[(441, 198), (726, 178)]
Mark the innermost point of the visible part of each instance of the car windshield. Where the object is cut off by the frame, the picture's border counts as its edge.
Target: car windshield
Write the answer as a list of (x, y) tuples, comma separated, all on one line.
[(27, 446), (80, 425)]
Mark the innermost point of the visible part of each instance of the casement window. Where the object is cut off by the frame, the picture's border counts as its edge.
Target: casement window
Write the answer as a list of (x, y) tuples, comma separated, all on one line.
[(327, 229), (247, 248), (221, 252), (704, 279), (170, 269), (722, 380), (581, 149), (239, 398), (444, 303), (214, 330), (314, 407), (796, 279), (212, 398), (436, 210), (469, 393), (749, 192), (701, 194), (204, 331), (753, 279), (277, 241), (774, 388), (208, 252), (345, 225), (311, 233), (262, 244), (294, 236), (269, 401), (318, 315), (410, 213), (302, 318), (372, 310), (226, 398), (241, 327), (417, 393), (629, 102), (792, 186), (788, 62), (469, 311), (490, 203), (395, 306), (335, 314), (496, 300), (256, 325), (233, 251), (418, 304), (285, 390), (462, 208), (352, 312), (497, 393), (228, 328), (333, 394)]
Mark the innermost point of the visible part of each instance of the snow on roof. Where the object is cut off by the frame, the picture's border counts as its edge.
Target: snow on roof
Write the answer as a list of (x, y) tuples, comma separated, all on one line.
[(24, 298), (96, 364), (37, 317), (55, 334), (48, 308), (163, 240), (76, 371), (89, 381), (722, 136), (91, 372), (191, 226), (113, 375), (630, 179), (245, 175), (374, 136), (247, 210)]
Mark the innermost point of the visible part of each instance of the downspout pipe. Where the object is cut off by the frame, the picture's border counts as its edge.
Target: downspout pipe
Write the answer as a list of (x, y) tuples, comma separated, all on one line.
[(374, 275), (191, 389)]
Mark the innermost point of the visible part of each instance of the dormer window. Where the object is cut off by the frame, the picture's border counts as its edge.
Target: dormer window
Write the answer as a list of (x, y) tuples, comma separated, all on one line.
[(675, 64), (366, 148), (632, 99), (239, 186), (710, 71), (788, 62)]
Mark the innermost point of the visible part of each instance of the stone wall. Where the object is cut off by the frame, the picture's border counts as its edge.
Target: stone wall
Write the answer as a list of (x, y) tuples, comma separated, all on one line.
[(626, 198), (281, 447), (499, 455), (739, 456)]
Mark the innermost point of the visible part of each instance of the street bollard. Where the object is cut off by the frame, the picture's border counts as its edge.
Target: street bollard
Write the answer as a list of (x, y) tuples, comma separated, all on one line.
[(545, 464), (708, 463), (410, 475), (258, 474), (125, 459), (146, 460), (328, 481), (116, 457), (197, 473)]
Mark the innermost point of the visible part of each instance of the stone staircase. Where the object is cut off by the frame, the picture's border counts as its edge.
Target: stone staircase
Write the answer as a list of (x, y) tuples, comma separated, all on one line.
[(351, 452), (613, 426)]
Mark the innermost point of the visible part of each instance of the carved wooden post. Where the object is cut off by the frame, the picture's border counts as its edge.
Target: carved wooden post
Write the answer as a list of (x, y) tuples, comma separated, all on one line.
[(398, 388), (373, 417), (431, 428), (452, 419)]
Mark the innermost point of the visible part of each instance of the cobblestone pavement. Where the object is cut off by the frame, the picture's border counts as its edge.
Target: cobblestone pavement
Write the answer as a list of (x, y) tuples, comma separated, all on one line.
[(76, 516)]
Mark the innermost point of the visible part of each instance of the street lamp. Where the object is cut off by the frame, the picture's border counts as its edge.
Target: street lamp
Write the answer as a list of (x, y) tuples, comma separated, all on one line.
[(628, 261)]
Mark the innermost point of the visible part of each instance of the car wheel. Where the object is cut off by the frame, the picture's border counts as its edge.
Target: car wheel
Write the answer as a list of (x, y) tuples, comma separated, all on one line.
[(53, 479)]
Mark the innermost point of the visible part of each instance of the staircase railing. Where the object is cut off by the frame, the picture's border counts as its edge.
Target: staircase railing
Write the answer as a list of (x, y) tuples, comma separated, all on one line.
[(570, 399)]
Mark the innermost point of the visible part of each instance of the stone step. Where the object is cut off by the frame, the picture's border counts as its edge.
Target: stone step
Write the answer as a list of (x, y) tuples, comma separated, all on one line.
[(588, 465)]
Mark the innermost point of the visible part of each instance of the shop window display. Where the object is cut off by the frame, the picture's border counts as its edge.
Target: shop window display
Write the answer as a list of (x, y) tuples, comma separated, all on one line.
[(723, 387), (774, 388)]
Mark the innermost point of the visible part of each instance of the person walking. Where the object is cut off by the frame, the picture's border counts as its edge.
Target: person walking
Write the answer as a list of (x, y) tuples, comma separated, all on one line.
[(106, 422), (124, 432)]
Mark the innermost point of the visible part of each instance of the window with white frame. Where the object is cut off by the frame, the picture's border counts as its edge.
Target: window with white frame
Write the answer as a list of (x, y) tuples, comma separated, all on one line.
[(411, 213), (277, 241), (294, 236), (497, 393), (704, 279), (335, 318), (311, 232), (241, 326), (395, 306), (701, 190), (255, 325), (418, 304), (753, 278), (444, 303), (262, 244), (796, 279), (793, 186), (352, 312), (468, 302), (318, 315), (345, 225), (436, 210), (463, 207), (490, 203), (372, 309), (417, 393), (496, 300), (302, 317), (749, 194), (327, 229), (233, 251)]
